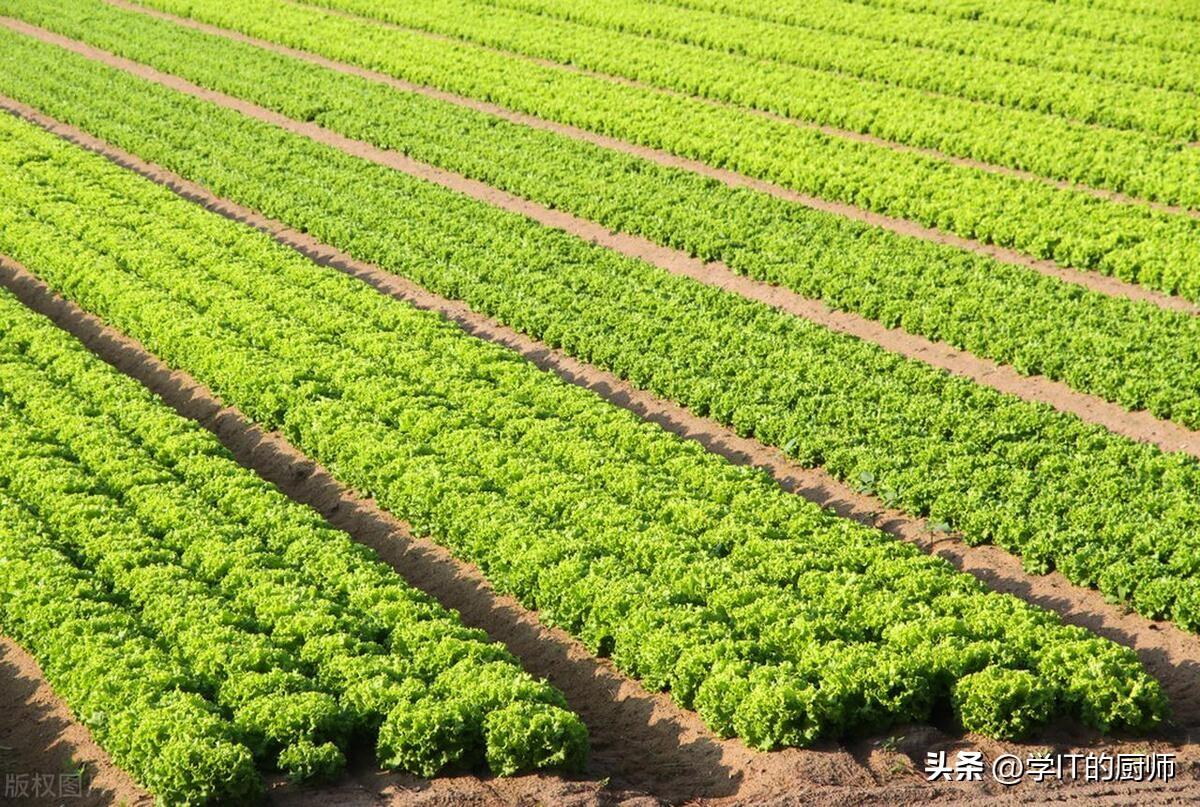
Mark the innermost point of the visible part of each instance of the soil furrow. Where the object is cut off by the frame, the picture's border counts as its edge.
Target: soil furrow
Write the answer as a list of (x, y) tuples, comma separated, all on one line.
[(1171, 654), (825, 129), (1141, 425), (1093, 281)]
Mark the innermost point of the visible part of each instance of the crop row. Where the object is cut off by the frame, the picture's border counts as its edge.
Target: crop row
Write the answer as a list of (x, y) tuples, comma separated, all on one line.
[(290, 639), (1135, 354), (1145, 164), (135, 697), (1134, 64), (1156, 249), (1032, 480), (1099, 24), (774, 619), (1153, 8), (972, 76), (885, 90)]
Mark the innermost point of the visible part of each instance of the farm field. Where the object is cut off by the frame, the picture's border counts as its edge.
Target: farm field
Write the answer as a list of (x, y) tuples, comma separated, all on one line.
[(631, 402)]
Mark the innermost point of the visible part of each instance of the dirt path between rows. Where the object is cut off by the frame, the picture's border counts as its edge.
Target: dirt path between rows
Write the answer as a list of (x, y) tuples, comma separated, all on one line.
[(643, 743), (1141, 425), (825, 129), (1089, 280)]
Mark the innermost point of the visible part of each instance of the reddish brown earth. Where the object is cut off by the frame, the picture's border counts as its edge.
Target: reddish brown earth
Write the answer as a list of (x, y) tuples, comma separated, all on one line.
[(1090, 280)]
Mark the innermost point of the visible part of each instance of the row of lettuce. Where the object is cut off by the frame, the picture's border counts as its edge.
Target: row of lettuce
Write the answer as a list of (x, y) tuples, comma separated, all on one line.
[(1151, 161), (953, 104), (1131, 354), (201, 624), (879, 48), (1157, 249), (775, 620), (937, 36), (1102, 24), (1134, 354), (1154, 8), (1106, 511)]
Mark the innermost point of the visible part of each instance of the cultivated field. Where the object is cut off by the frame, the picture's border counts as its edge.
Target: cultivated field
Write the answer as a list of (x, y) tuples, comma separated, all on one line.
[(624, 402)]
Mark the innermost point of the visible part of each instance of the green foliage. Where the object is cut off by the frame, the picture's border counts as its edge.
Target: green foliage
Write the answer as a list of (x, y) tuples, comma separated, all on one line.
[(778, 713), (772, 69), (1136, 355), (1024, 477), (1071, 227), (307, 763), (428, 736), (1095, 687), (272, 721), (820, 32), (719, 698), (127, 529), (114, 674), (184, 771), (528, 736), (1002, 703), (624, 534), (1157, 27)]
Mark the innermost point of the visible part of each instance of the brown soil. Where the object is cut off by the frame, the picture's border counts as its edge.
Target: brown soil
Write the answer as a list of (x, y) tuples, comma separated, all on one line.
[(644, 747), (1090, 280), (1141, 425), (830, 131)]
